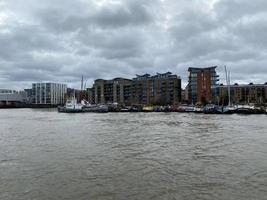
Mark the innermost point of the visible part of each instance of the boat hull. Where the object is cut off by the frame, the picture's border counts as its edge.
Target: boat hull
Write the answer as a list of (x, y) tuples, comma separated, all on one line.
[(95, 110), (67, 110)]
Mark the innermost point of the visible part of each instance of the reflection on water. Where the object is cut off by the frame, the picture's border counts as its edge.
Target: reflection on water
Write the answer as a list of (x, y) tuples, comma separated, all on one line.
[(47, 155)]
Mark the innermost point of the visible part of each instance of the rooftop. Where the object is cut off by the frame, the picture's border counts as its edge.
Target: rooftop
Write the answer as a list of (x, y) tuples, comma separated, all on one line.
[(244, 85), (205, 68)]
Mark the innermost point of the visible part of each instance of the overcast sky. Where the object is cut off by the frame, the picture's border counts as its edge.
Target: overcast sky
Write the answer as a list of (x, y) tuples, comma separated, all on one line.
[(60, 40)]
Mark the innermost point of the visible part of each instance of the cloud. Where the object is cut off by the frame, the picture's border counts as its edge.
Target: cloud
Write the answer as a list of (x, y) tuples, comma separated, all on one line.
[(61, 40)]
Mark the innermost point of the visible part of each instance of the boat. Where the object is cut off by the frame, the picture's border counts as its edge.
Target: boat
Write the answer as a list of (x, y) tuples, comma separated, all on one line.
[(147, 108), (95, 108), (228, 110), (245, 109), (71, 106), (87, 107), (129, 109), (258, 110), (188, 109), (198, 110), (212, 109)]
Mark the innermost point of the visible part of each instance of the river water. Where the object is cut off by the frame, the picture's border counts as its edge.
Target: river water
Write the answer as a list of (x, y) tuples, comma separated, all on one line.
[(131, 156)]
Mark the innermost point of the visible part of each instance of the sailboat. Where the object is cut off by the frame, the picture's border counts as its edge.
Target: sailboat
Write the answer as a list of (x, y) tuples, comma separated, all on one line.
[(230, 109)]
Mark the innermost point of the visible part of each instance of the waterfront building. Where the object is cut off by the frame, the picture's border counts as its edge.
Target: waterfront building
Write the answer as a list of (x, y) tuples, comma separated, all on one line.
[(79, 94), (160, 89), (110, 91), (202, 86), (12, 98), (29, 95), (7, 91), (48, 93), (243, 94)]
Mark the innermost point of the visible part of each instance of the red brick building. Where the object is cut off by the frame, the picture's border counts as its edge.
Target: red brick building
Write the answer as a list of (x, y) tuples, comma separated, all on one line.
[(202, 85)]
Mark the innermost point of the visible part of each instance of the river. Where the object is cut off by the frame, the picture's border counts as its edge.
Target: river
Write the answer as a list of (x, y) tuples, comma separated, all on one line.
[(131, 156)]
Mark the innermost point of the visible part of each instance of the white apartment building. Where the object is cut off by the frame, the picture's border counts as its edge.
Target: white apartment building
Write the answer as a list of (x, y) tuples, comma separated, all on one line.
[(48, 93)]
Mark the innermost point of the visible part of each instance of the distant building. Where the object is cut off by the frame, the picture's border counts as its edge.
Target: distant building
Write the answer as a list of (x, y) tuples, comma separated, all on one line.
[(243, 94), (185, 95), (202, 85), (48, 93), (79, 94), (29, 95), (7, 91), (161, 89), (12, 98), (110, 91)]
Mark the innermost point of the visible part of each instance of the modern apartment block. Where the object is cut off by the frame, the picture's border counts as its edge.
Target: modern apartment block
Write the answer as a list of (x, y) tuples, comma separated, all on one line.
[(243, 94), (110, 91), (160, 89), (48, 93), (202, 85)]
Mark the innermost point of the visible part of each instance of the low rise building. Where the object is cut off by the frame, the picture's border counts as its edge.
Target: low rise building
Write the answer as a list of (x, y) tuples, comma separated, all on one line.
[(48, 93), (243, 94), (12, 98)]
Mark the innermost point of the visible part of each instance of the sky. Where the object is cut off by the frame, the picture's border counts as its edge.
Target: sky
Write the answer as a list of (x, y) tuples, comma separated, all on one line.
[(61, 40)]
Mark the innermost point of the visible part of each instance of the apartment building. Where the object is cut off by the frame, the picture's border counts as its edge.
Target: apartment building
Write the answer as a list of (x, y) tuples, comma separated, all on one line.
[(48, 93)]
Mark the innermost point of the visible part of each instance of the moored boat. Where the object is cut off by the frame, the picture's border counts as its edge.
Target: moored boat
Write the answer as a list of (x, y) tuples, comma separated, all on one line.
[(228, 110), (147, 109), (95, 108), (245, 109), (212, 109), (71, 106), (87, 107)]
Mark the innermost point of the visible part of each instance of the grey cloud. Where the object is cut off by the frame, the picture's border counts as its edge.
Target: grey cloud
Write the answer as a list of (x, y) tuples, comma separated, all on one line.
[(129, 14), (61, 40), (235, 9)]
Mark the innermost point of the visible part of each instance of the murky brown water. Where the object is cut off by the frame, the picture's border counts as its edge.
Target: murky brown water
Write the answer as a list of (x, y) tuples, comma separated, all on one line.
[(46, 155)]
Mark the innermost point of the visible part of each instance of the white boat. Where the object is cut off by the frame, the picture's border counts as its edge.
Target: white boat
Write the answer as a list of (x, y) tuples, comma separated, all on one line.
[(245, 109), (71, 106), (87, 107)]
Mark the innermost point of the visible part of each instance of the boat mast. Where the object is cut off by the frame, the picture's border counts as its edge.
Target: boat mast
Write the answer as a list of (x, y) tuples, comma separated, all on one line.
[(227, 75), (82, 83)]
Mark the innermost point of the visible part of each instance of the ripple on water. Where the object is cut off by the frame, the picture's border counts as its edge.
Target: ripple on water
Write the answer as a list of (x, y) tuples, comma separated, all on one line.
[(47, 155)]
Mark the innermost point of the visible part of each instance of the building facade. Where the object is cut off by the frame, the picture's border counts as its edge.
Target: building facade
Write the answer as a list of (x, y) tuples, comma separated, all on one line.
[(48, 93), (7, 91), (79, 94), (202, 86), (243, 94), (110, 91), (160, 89), (12, 98)]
